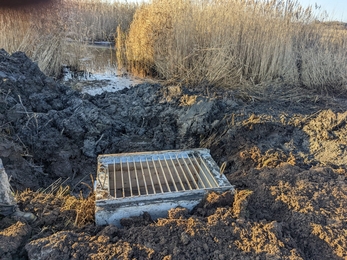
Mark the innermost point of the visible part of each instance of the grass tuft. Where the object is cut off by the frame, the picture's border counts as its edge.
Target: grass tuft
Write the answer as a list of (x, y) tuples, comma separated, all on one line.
[(56, 203)]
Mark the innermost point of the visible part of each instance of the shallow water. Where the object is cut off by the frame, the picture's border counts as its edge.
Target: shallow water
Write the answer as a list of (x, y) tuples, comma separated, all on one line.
[(100, 73)]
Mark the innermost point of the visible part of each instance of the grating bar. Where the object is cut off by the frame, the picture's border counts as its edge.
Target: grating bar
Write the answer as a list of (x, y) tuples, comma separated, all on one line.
[(121, 172), (211, 175), (200, 180), (144, 178), (131, 190), (184, 174), (162, 170), (203, 171), (114, 178), (159, 182), (150, 176), (173, 180), (178, 175), (137, 179), (190, 173)]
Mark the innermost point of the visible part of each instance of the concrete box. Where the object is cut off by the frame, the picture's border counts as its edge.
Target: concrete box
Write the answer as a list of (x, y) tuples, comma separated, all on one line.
[(131, 183)]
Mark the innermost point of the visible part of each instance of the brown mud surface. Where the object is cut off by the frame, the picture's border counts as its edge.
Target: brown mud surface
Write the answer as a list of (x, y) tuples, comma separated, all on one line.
[(285, 151)]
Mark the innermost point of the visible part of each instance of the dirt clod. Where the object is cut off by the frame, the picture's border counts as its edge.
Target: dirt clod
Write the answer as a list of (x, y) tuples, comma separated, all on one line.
[(286, 158)]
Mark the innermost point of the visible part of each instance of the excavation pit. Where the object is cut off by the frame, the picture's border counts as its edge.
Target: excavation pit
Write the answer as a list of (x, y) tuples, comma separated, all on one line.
[(129, 184)]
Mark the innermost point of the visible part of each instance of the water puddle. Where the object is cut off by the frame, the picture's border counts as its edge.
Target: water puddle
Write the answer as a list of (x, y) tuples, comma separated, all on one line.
[(100, 73), (96, 84)]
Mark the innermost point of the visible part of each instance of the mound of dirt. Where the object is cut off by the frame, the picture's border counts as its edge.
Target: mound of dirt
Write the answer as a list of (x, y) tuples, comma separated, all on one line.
[(286, 157)]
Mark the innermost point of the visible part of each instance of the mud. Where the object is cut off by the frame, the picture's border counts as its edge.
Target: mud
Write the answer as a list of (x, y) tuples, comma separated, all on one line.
[(284, 151)]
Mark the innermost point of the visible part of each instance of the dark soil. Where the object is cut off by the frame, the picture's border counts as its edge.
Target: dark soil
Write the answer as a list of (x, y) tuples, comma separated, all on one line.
[(285, 152)]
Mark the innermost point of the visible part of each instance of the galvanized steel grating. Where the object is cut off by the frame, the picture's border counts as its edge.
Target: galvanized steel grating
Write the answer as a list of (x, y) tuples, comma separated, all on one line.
[(137, 174), (128, 184)]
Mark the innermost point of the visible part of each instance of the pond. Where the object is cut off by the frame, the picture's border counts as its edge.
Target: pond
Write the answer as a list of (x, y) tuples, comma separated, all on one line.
[(99, 71)]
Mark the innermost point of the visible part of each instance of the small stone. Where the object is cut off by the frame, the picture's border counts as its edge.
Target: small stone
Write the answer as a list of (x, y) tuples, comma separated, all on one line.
[(66, 250), (176, 251), (206, 248), (185, 238), (221, 257)]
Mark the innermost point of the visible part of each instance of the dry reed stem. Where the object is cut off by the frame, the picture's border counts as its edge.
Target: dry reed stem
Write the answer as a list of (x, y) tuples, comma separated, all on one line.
[(120, 48)]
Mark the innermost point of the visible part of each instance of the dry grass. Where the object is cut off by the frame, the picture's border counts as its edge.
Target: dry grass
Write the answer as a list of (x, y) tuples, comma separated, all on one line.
[(233, 42), (58, 206), (56, 34), (83, 207), (97, 20), (39, 32)]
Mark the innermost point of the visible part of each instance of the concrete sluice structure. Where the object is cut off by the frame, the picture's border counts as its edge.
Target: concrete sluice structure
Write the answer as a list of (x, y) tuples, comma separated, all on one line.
[(132, 183)]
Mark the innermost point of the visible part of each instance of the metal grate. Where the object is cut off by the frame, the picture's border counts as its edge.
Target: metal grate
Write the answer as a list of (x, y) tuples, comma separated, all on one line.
[(128, 175), (128, 184)]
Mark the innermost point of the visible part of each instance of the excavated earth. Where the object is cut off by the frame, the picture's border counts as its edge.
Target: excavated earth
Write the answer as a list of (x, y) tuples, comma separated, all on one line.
[(285, 150)]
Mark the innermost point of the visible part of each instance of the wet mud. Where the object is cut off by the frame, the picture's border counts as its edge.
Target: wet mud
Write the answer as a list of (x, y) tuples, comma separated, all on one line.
[(285, 154)]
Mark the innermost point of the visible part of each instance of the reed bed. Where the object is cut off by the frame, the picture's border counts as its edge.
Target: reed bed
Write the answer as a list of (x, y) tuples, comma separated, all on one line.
[(97, 20), (39, 32), (231, 43), (57, 33), (227, 43)]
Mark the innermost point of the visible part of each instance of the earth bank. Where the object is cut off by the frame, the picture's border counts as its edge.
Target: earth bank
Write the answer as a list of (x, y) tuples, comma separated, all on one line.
[(285, 152)]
